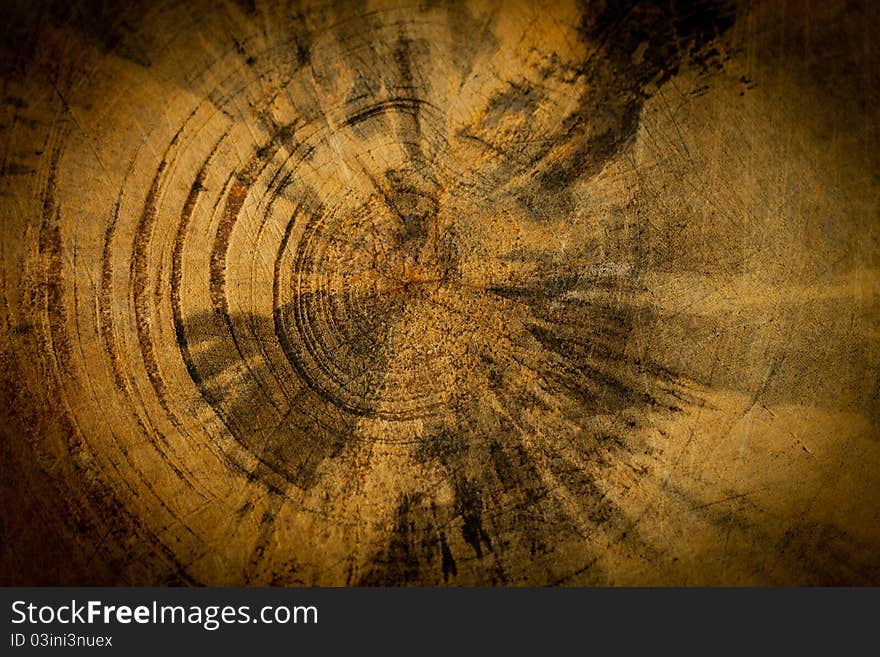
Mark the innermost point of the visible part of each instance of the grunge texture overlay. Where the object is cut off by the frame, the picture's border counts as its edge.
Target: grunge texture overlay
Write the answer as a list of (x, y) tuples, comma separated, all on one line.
[(416, 292)]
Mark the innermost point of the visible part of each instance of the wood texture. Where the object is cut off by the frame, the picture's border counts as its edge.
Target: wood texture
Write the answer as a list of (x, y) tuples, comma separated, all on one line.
[(440, 293)]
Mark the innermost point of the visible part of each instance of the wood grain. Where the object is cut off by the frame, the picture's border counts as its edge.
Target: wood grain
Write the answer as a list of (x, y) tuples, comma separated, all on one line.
[(473, 293)]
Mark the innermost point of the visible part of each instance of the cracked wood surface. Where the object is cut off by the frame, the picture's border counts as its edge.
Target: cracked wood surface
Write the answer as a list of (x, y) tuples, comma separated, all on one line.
[(473, 293)]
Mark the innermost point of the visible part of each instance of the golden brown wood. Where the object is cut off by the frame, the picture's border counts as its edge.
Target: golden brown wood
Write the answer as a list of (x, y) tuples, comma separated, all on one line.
[(425, 293)]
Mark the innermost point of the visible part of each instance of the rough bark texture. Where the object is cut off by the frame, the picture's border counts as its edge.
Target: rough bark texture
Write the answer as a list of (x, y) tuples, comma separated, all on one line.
[(440, 293)]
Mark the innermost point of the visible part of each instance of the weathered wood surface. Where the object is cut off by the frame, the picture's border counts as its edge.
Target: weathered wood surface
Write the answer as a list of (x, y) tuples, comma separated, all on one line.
[(471, 293)]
